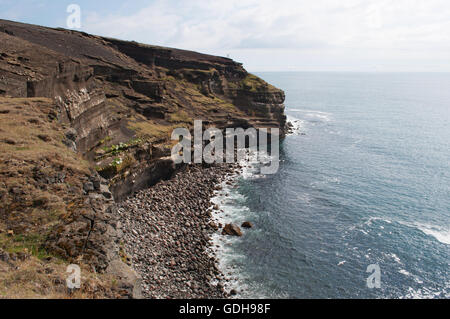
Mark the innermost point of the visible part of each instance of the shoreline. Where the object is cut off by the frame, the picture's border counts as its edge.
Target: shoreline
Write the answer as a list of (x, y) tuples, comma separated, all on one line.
[(167, 234)]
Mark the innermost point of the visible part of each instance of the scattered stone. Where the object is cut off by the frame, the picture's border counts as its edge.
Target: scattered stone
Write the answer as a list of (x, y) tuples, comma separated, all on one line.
[(44, 137), (107, 194), (213, 225), (96, 183), (88, 187), (167, 238)]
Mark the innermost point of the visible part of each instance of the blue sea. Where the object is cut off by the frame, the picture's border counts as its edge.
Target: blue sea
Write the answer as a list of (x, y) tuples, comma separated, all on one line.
[(364, 180)]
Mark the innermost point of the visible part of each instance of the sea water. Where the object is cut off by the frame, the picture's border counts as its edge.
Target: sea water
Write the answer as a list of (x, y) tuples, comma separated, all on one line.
[(363, 180)]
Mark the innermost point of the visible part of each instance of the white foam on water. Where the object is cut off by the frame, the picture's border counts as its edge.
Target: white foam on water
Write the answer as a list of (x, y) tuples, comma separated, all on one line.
[(404, 272), (298, 125), (439, 233), (325, 181), (233, 210), (314, 115), (396, 258), (427, 293), (308, 111), (374, 219)]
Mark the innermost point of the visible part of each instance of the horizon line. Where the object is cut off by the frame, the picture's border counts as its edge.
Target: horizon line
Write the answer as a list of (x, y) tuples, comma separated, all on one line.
[(341, 71)]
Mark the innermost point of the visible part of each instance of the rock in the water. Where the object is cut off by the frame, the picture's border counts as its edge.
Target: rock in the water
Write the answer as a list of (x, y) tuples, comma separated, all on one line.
[(232, 230), (247, 225)]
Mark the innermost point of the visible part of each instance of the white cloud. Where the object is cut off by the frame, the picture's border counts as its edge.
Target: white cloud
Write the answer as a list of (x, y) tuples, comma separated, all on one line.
[(345, 34)]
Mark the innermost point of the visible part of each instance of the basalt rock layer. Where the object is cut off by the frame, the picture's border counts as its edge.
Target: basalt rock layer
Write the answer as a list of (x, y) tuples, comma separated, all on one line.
[(113, 104)]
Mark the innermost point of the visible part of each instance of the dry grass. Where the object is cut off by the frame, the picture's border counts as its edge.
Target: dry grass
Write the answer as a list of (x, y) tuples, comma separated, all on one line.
[(181, 117), (31, 151), (255, 84), (151, 130), (37, 279), (27, 133)]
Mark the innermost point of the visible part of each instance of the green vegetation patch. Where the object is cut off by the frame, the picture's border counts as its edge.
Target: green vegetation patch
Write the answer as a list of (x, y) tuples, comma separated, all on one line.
[(121, 147), (31, 243)]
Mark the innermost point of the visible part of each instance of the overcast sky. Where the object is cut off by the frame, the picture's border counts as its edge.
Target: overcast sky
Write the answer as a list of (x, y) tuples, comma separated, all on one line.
[(268, 35)]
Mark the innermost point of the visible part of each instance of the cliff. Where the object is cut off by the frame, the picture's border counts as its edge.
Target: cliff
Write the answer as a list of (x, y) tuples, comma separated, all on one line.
[(86, 121)]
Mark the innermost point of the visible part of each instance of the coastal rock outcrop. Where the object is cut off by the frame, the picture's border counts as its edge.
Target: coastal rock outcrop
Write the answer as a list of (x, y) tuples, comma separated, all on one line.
[(247, 225), (232, 230)]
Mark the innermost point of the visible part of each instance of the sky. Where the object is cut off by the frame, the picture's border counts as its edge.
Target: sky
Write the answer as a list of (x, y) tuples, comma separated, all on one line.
[(271, 35)]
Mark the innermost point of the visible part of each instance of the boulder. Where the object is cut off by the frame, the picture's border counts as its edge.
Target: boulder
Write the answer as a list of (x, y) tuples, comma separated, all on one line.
[(129, 280), (71, 134), (232, 230), (247, 225), (104, 189), (88, 187)]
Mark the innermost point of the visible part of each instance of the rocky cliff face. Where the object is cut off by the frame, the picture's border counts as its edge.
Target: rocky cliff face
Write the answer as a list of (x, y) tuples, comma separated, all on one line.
[(116, 104)]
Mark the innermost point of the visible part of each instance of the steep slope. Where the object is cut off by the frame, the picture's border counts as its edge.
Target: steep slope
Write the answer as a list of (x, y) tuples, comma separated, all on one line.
[(114, 104)]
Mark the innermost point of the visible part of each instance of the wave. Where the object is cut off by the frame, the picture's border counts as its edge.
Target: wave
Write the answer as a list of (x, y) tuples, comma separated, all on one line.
[(298, 125), (373, 219), (427, 293), (439, 233), (404, 272), (308, 111), (313, 116), (232, 209)]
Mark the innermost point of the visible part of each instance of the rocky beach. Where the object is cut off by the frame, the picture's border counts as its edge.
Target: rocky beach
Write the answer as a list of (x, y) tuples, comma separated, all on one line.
[(167, 231)]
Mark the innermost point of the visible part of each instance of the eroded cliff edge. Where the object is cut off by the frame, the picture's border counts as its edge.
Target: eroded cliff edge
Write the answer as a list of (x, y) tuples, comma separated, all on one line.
[(107, 107)]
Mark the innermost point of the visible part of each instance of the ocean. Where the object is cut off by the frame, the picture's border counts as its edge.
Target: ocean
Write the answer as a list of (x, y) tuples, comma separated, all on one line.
[(364, 180)]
